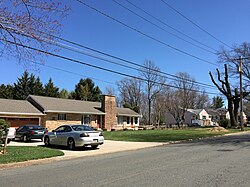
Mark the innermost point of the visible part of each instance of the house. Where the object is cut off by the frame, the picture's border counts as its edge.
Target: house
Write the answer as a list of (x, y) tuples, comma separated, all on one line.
[(214, 115), (224, 114), (19, 112), (104, 115), (169, 119), (197, 116)]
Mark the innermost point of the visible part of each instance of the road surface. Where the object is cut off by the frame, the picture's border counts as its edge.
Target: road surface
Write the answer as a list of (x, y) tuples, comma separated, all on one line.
[(223, 161)]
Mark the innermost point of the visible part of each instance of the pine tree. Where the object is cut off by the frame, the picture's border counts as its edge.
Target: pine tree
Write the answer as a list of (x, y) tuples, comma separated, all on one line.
[(38, 87), (51, 90), (21, 88), (64, 94), (6, 92)]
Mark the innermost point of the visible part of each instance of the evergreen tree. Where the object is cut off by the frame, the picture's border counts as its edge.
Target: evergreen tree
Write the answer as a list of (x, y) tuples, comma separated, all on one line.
[(21, 88), (38, 87), (87, 91), (51, 90), (217, 102), (64, 94), (6, 92), (31, 84)]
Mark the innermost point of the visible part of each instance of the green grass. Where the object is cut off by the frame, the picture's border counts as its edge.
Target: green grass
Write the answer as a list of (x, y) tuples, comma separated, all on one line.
[(19, 154), (162, 135)]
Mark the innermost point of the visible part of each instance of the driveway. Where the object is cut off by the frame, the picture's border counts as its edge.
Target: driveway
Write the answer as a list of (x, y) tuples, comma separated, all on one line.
[(108, 147)]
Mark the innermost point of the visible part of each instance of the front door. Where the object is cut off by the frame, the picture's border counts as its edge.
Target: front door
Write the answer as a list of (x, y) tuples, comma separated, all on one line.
[(132, 122)]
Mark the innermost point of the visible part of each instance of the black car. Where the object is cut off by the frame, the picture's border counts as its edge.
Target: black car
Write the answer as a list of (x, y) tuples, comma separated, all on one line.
[(28, 132)]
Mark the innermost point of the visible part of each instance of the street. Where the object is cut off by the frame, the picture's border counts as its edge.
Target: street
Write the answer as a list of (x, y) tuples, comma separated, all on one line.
[(222, 161)]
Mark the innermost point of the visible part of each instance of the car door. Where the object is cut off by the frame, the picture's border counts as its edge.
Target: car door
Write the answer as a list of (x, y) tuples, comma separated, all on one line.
[(63, 137), (20, 132), (60, 134), (55, 135)]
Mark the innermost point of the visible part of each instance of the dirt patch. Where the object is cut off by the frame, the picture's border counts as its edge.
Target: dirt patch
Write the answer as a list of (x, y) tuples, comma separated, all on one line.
[(218, 129)]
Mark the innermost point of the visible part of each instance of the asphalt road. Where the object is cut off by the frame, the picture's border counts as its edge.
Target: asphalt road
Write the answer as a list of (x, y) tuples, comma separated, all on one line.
[(223, 161)]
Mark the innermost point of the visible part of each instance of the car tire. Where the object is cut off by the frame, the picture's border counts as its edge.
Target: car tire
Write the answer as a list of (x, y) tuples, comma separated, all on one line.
[(46, 141), (94, 146), (71, 144)]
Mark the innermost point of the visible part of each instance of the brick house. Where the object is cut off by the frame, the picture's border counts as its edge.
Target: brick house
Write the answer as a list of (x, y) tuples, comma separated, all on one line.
[(102, 115), (19, 112)]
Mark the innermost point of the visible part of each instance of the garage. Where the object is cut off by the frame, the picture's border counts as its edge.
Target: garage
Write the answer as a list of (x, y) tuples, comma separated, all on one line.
[(17, 122), (19, 112)]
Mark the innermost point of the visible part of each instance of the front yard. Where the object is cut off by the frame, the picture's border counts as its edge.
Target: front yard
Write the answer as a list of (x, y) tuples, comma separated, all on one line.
[(24, 153), (163, 135)]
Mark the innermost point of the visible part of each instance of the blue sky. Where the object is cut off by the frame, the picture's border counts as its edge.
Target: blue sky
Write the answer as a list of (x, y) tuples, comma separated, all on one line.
[(228, 20)]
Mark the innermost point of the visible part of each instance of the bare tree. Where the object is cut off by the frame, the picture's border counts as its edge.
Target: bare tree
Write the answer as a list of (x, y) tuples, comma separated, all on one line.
[(29, 23), (109, 90), (233, 99), (185, 94), (231, 57), (130, 93), (154, 83), (202, 101)]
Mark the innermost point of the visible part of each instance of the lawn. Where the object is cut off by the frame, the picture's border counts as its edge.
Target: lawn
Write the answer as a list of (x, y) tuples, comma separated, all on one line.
[(19, 154), (162, 135)]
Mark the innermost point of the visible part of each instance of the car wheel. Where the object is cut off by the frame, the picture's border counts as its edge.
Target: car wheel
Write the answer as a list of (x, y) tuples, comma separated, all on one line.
[(46, 141), (71, 144), (94, 146), (25, 139)]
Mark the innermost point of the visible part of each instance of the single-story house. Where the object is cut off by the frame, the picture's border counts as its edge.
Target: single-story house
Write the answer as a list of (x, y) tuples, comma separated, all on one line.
[(104, 115), (19, 112), (197, 116)]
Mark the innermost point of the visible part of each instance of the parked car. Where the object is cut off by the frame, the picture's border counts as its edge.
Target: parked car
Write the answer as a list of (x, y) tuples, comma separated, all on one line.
[(28, 132), (74, 136)]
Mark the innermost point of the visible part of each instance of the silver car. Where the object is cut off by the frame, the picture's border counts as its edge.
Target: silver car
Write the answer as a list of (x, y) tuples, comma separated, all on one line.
[(74, 136)]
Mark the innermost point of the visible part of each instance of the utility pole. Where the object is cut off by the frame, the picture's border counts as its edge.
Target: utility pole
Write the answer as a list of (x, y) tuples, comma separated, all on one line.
[(241, 97)]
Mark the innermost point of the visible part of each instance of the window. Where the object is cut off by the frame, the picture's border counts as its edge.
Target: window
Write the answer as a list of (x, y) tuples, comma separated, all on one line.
[(136, 120), (128, 120), (61, 116), (120, 120), (204, 117), (85, 119)]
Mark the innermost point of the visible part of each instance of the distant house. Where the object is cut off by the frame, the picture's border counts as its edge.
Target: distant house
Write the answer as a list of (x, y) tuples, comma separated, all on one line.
[(197, 116), (19, 112), (104, 115), (169, 119), (214, 115)]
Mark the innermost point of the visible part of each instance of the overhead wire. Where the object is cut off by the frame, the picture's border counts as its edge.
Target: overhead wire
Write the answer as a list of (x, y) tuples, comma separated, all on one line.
[(161, 28), (110, 61), (195, 24), (146, 35), (97, 67), (169, 26)]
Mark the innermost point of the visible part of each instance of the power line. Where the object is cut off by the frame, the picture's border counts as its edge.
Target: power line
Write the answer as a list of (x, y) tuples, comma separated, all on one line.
[(110, 61), (161, 28), (195, 24), (164, 23), (146, 35), (96, 67)]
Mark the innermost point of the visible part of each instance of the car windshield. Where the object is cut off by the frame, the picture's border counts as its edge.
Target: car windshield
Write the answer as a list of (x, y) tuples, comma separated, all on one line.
[(35, 127), (81, 128)]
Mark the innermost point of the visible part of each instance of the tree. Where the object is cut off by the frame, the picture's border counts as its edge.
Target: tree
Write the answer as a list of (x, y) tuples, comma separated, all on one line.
[(6, 92), (64, 94), (233, 99), (51, 90), (202, 101), (87, 91), (154, 83), (232, 58), (38, 88), (217, 102), (21, 88), (130, 93), (29, 23), (185, 94)]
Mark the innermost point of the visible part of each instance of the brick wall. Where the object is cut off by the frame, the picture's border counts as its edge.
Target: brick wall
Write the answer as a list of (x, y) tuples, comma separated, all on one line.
[(109, 107)]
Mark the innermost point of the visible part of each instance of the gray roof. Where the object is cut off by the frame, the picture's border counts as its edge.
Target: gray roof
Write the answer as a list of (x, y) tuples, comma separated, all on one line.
[(126, 112), (195, 111), (51, 104), (212, 112), (18, 107)]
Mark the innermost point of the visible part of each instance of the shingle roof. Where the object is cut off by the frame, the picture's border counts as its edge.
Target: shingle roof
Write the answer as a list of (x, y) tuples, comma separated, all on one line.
[(50, 104), (212, 112), (20, 107), (126, 112), (195, 111)]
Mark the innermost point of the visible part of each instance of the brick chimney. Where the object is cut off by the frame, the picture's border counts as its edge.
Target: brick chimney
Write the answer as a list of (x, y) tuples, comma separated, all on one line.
[(109, 107)]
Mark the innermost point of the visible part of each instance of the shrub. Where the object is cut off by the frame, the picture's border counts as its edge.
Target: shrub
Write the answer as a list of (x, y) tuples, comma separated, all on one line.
[(224, 123)]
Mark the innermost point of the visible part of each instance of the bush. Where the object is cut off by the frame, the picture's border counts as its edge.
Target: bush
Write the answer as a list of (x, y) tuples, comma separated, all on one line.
[(224, 123), (125, 129), (3, 130), (112, 129)]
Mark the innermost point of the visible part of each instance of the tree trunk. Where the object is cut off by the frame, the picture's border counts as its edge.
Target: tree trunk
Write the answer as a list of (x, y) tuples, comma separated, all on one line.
[(231, 113)]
